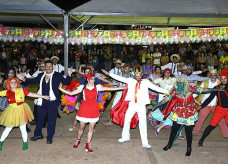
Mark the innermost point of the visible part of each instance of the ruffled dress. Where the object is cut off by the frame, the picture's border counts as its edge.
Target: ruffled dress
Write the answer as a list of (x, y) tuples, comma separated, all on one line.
[(17, 112), (89, 108)]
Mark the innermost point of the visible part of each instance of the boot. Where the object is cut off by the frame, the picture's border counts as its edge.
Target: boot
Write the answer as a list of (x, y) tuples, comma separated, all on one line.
[(167, 147), (88, 147), (76, 143), (189, 150), (200, 143), (25, 146), (1, 143)]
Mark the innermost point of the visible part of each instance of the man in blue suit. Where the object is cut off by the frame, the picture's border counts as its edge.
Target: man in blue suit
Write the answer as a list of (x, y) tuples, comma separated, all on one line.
[(49, 85)]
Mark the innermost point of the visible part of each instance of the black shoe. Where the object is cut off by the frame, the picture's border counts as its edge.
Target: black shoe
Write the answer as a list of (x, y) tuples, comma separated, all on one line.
[(36, 138), (200, 143), (49, 141), (58, 116), (189, 150), (167, 147), (28, 130)]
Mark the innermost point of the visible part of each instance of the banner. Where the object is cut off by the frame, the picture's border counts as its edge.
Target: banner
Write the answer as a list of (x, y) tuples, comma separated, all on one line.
[(133, 37)]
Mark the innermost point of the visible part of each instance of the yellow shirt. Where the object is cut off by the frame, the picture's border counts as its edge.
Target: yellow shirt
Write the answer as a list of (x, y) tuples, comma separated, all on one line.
[(223, 59)]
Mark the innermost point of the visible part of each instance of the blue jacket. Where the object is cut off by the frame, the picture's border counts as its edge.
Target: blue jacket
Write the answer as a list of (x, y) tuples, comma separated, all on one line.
[(56, 80)]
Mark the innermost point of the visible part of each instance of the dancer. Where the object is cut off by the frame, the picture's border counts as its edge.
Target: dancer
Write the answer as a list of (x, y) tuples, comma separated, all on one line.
[(221, 108), (17, 113), (48, 84), (182, 110), (89, 109), (127, 74), (166, 82), (138, 97), (210, 83)]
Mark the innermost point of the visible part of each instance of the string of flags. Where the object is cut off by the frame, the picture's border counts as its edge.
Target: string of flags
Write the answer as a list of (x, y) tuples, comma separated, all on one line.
[(128, 37)]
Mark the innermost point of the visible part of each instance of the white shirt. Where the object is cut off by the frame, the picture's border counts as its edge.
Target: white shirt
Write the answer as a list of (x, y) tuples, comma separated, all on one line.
[(115, 71), (27, 75), (142, 93), (210, 85), (173, 67), (98, 87), (194, 78), (36, 73), (59, 68), (157, 61)]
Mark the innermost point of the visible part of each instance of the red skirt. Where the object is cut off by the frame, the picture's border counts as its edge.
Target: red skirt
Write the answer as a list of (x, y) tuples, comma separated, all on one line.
[(88, 109), (119, 110)]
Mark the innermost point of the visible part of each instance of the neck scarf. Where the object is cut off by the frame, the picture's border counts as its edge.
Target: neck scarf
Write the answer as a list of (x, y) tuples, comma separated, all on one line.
[(51, 93)]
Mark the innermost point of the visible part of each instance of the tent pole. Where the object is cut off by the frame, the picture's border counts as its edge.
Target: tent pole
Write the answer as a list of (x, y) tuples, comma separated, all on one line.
[(66, 30)]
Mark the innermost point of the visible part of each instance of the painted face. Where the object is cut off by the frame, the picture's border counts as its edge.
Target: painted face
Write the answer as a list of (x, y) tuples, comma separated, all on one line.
[(180, 86), (11, 74), (13, 84), (49, 68), (223, 79), (213, 76)]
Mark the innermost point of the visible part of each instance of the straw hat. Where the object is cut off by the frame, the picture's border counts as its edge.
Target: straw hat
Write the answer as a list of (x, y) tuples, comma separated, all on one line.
[(55, 57), (118, 61), (176, 55), (122, 64), (214, 71)]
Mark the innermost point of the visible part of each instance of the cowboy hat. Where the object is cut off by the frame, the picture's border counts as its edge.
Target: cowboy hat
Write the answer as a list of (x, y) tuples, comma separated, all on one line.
[(122, 64), (55, 57), (175, 55), (118, 61)]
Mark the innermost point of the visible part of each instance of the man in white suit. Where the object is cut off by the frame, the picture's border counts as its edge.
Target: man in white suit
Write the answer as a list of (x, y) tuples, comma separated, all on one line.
[(138, 96)]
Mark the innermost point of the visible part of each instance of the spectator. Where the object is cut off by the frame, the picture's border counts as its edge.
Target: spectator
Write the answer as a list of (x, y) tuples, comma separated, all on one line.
[(157, 57), (164, 58), (147, 68), (108, 58), (210, 61)]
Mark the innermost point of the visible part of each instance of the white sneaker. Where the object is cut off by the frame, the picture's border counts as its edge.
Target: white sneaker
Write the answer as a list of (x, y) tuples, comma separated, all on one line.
[(147, 146), (123, 140)]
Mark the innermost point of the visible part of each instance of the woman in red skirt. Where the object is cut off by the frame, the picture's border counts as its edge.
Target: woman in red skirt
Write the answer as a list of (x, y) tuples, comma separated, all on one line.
[(89, 109)]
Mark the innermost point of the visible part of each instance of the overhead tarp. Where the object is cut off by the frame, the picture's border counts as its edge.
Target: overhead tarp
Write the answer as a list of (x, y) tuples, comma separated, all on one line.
[(123, 12), (133, 37)]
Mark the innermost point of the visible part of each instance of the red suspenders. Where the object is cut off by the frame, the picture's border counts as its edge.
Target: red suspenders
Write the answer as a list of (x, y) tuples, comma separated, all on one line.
[(219, 98)]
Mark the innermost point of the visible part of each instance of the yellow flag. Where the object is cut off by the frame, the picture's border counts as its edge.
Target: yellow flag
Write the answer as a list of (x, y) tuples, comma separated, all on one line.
[(222, 31), (47, 33), (106, 34), (18, 31), (135, 34), (193, 32), (164, 33)]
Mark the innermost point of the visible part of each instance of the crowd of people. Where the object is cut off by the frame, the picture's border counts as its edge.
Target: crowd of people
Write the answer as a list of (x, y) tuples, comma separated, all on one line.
[(163, 75), (203, 56)]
